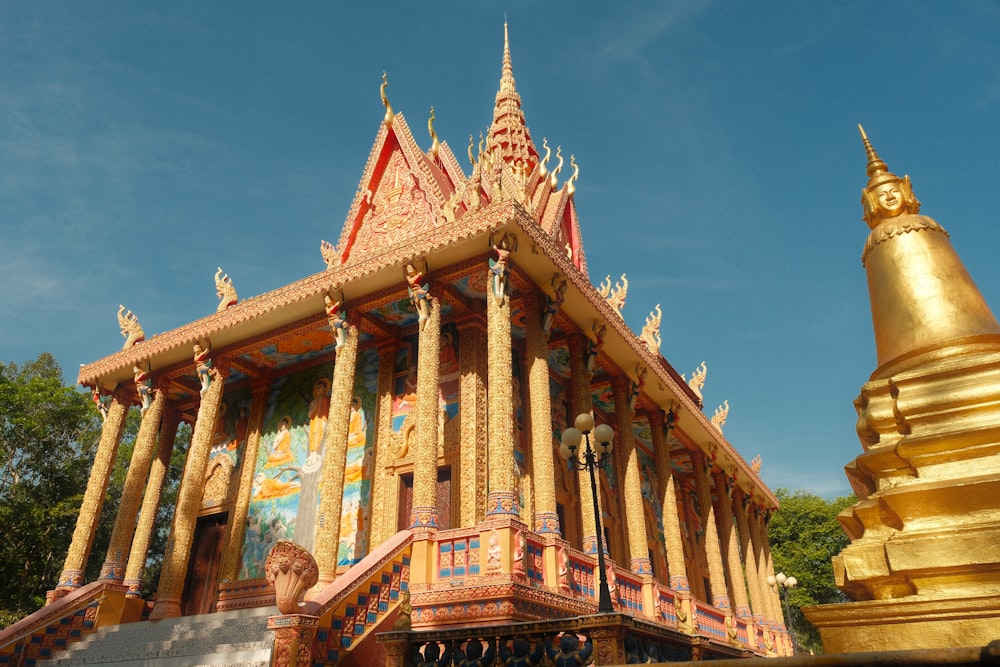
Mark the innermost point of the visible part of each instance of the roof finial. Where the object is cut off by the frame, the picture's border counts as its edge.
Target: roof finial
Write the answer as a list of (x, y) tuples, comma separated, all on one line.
[(875, 163), (571, 183), (435, 144), (389, 115)]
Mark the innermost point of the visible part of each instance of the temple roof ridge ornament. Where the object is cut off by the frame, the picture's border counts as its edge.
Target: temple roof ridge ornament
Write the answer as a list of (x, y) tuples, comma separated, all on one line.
[(509, 133), (390, 116)]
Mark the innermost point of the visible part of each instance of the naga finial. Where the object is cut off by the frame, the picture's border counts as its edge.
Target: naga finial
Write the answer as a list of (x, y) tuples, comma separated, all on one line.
[(543, 168), (553, 178), (651, 330), (225, 291), (129, 325), (571, 183), (886, 195), (389, 114), (697, 380), (435, 144), (330, 255), (616, 295), (721, 413)]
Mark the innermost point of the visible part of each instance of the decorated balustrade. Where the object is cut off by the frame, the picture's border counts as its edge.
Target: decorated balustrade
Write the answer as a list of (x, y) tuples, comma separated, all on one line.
[(603, 639), (666, 605), (581, 572), (711, 621), (66, 619), (458, 554), (627, 590)]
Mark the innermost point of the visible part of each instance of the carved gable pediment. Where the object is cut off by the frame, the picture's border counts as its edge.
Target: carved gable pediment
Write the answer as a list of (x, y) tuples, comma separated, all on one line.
[(400, 195)]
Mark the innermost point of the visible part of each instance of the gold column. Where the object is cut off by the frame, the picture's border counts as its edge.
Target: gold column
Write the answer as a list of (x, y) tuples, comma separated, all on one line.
[(546, 519), (502, 498), (233, 555), (424, 513), (151, 501), (734, 567), (672, 536), (178, 551), (635, 517), (93, 498), (754, 582), (581, 401), (382, 514), (482, 438), (331, 484), (713, 550), (758, 535), (472, 419), (132, 493)]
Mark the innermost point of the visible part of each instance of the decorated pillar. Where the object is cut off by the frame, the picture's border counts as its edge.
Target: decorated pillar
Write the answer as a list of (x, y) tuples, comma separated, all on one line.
[(135, 481), (757, 602), (727, 529), (672, 536), (581, 401), (178, 551), (233, 554), (472, 421), (331, 485), (546, 519), (713, 550), (424, 513), (502, 498), (774, 598), (93, 498), (635, 517), (384, 515), (146, 524)]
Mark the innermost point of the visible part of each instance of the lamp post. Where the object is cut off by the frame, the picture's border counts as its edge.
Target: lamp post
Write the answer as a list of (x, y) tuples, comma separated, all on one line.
[(783, 583), (589, 459)]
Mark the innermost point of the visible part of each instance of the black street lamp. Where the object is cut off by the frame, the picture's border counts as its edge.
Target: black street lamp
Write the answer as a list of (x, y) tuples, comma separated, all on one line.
[(589, 460), (782, 583)]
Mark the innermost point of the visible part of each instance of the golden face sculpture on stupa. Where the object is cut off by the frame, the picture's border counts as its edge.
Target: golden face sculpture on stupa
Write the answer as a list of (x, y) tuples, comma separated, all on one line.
[(886, 195)]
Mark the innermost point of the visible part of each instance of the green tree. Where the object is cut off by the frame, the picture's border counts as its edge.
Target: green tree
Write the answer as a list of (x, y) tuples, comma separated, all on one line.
[(48, 434), (804, 534)]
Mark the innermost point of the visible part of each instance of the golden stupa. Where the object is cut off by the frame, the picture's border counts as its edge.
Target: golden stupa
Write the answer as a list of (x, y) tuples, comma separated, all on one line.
[(923, 566)]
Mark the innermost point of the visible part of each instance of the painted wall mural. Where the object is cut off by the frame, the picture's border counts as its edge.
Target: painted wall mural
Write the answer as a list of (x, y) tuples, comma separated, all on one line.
[(404, 397), (289, 460)]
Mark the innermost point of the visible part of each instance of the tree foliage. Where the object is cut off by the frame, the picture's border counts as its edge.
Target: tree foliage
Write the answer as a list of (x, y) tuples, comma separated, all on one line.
[(48, 435), (804, 535)]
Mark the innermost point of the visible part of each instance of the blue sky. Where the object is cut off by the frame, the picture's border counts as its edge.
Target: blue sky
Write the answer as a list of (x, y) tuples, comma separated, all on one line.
[(144, 144)]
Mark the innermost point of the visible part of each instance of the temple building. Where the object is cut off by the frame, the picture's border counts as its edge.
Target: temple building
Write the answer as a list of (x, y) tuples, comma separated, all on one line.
[(376, 447), (923, 566)]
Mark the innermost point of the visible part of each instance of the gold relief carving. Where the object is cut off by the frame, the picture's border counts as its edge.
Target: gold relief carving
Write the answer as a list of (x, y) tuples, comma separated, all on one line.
[(399, 208), (176, 557), (135, 481), (129, 325), (93, 497), (291, 570), (481, 439), (384, 446), (469, 417), (580, 402), (697, 381), (335, 459), (500, 412), (635, 517), (217, 480), (730, 546), (224, 290), (427, 408)]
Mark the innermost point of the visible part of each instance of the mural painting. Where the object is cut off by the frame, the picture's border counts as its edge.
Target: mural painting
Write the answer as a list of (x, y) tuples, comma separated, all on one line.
[(285, 496), (404, 397)]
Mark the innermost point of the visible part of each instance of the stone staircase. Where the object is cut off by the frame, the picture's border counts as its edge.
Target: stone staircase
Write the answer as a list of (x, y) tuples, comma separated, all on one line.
[(234, 638)]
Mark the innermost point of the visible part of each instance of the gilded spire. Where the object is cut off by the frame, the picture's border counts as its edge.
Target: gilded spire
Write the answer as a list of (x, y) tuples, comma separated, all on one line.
[(435, 144), (508, 134), (922, 296)]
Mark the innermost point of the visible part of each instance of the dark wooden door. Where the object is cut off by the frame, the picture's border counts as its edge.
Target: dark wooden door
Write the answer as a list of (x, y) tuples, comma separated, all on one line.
[(203, 567)]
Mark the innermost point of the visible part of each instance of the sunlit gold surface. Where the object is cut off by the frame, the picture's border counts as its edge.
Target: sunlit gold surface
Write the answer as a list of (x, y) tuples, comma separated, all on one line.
[(923, 565)]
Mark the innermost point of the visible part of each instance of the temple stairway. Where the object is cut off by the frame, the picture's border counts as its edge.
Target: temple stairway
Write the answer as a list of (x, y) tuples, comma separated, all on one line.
[(235, 638)]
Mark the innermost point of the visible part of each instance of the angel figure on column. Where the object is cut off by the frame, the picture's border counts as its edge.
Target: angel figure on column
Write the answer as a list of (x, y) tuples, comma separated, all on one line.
[(419, 292), (203, 365)]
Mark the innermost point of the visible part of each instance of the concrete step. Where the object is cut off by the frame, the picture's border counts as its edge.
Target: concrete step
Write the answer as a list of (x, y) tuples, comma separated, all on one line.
[(238, 638)]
